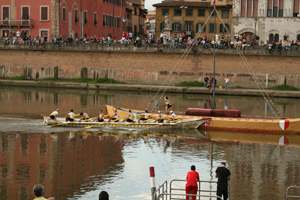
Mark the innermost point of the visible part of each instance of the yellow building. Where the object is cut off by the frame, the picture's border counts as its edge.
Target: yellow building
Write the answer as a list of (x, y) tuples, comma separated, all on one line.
[(190, 16), (138, 18)]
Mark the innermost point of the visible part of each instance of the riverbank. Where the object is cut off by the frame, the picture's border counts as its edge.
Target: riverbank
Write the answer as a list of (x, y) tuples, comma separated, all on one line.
[(146, 88)]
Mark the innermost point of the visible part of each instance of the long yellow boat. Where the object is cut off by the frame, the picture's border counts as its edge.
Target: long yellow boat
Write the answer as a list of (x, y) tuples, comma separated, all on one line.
[(180, 124), (242, 124)]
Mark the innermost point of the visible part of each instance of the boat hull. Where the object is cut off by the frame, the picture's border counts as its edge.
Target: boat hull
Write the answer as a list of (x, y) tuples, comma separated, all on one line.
[(182, 124), (255, 125)]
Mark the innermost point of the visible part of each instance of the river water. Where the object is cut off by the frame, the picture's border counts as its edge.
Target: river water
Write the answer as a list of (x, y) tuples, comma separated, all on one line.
[(78, 164)]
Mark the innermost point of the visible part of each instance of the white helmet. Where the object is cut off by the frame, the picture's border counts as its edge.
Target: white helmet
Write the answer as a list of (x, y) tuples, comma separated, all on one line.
[(171, 111), (158, 111)]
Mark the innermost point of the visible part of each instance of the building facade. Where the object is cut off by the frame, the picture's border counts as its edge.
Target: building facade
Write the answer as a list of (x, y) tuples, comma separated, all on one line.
[(61, 17), (138, 17), (150, 23), (269, 19), (190, 16)]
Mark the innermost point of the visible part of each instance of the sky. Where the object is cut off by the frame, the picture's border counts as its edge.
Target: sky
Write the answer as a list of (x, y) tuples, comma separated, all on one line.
[(149, 3)]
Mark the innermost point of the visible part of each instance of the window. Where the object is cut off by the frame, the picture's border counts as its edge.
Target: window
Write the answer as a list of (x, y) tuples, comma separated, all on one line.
[(108, 1), (64, 14), (269, 10), (201, 12), (243, 8), (115, 22), (44, 33), (123, 25), (177, 12), (85, 21), (111, 21), (107, 20), (123, 3), (276, 37), (280, 14), (103, 0), (212, 26), (223, 29), (271, 37), (225, 14), (188, 26), (76, 16), (162, 26), (95, 19), (135, 11), (189, 12), (25, 15), (199, 27), (164, 12), (298, 37), (275, 11), (112, 1), (103, 20), (44, 13), (135, 28), (296, 8), (5, 14), (176, 27), (119, 22)]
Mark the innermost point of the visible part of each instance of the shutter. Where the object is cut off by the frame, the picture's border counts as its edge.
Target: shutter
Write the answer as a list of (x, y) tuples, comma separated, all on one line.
[(281, 4), (221, 28), (243, 10), (197, 28), (296, 6), (44, 14), (255, 8), (25, 11), (270, 2)]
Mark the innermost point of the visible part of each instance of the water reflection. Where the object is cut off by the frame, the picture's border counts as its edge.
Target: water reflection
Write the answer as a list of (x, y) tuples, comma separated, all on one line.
[(27, 102), (81, 164)]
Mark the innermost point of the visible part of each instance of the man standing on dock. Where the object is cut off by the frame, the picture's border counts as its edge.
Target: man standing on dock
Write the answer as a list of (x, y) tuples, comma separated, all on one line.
[(191, 184), (223, 175)]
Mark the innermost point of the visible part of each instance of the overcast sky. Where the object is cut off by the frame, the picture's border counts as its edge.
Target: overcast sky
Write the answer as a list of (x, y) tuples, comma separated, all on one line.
[(149, 3)]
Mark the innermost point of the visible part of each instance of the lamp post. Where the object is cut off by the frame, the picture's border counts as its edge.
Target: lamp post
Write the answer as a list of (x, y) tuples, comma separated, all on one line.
[(182, 8), (255, 22)]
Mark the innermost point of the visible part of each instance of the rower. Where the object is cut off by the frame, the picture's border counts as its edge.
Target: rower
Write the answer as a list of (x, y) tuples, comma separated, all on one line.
[(173, 118), (115, 116), (70, 116), (129, 118), (144, 116), (99, 118), (159, 119), (85, 116), (54, 114), (168, 104)]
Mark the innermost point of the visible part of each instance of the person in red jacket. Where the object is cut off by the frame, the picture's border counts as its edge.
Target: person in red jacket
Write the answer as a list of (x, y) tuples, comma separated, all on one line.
[(191, 186), (127, 35), (123, 34)]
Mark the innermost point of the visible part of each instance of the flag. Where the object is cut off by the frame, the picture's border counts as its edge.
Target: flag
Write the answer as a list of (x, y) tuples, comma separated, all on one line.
[(214, 1)]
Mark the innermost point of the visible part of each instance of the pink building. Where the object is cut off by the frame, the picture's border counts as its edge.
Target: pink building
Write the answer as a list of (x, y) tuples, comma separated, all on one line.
[(60, 17)]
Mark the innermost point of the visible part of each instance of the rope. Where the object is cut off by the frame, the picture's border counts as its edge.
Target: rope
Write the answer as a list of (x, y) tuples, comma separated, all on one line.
[(254, 76), (187, 51)]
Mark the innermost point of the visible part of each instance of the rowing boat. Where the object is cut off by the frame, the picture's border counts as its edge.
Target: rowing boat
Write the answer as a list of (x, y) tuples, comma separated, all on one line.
[(181, 124), (241, 124)]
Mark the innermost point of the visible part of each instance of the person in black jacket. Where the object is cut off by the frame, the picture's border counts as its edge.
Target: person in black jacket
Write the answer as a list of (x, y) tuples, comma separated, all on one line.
[(223, 175)]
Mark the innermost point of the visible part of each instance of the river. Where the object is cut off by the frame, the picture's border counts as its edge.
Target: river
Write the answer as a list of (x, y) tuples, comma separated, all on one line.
[(78, 164)]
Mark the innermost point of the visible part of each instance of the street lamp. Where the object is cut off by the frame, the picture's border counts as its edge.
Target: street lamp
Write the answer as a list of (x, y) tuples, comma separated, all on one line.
[(255, 22), (182, 8), (124, 21)]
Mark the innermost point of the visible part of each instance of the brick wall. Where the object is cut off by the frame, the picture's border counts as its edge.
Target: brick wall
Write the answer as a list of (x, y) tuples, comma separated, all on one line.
[(151, 68)]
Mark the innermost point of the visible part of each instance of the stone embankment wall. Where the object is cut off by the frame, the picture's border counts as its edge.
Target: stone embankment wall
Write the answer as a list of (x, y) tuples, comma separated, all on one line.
[(140, 65)]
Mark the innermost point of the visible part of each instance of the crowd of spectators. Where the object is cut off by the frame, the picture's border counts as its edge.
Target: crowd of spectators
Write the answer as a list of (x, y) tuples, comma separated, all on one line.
[(179, 40)]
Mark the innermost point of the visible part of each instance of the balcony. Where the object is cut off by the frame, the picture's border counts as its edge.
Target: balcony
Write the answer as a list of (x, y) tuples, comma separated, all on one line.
[(16, 23)]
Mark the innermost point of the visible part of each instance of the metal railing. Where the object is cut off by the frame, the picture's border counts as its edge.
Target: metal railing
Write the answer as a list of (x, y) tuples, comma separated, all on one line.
[(291, 196), (162, 191), (19, 22)]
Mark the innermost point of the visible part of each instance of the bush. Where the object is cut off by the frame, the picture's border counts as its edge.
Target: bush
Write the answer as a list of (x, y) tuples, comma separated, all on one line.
[(190, 83)]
